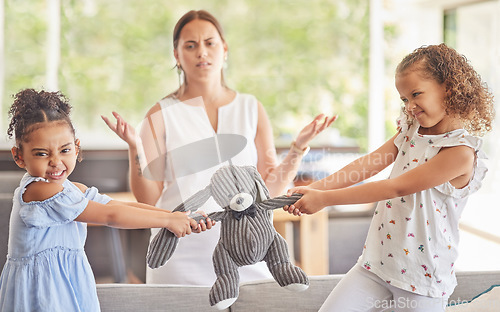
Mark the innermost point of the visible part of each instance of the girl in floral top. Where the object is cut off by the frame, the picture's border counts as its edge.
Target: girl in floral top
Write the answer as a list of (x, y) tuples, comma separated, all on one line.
[(408, 258)]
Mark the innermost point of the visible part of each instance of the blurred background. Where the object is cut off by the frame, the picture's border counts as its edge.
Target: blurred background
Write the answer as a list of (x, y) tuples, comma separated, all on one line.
[(298, 57)]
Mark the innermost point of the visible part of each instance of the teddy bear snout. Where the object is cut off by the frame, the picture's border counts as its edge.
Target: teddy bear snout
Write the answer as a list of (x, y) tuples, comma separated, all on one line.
[(241, 201)]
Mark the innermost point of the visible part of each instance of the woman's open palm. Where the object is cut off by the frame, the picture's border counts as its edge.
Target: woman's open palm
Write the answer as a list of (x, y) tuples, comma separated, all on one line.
[(310, 131), (124, 130)]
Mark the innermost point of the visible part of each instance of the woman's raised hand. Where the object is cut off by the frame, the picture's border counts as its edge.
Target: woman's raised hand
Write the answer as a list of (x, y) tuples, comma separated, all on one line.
[(310, 131), (124, 130)]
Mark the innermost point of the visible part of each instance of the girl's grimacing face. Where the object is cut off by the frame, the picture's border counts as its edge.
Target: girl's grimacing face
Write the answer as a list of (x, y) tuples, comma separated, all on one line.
[(50, 152), (200, 50), (424, 101)]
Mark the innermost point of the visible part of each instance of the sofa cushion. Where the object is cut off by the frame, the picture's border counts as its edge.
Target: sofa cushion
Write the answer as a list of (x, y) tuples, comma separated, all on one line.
[(5, 209), (152, 298), (473, 283), (264, 295), (268, 296), (488, 301)]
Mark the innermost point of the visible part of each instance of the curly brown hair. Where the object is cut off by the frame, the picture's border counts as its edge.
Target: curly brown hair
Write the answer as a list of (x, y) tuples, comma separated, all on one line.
[(31, 108), (467, 96)]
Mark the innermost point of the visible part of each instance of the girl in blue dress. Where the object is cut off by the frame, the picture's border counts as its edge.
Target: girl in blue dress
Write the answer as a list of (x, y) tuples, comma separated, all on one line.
[(46, 268)]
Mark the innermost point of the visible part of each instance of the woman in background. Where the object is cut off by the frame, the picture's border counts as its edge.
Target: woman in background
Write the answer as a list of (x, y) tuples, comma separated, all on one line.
[(203, 107)]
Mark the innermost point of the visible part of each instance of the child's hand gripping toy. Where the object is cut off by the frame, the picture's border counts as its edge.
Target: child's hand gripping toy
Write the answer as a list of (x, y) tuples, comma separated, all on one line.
[(247, 234)]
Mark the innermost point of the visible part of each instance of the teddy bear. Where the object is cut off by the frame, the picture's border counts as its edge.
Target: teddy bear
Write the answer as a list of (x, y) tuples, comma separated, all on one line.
[(247, 234)]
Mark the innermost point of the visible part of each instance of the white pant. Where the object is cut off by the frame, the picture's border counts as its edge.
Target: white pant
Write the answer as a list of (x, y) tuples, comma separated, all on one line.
[(362, 291)]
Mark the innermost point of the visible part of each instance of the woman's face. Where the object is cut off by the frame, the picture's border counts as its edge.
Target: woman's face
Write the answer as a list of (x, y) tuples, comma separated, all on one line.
[(200, 51)]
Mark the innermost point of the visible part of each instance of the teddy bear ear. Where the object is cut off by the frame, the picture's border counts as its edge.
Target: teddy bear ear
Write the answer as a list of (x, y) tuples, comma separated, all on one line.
[(262, 191)]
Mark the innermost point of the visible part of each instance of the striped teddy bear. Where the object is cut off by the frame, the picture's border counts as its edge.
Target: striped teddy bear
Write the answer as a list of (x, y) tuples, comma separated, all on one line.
[(247, 233)]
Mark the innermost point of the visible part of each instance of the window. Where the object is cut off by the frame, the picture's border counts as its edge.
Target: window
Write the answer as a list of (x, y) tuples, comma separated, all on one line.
[(117, 55), (474, 30)]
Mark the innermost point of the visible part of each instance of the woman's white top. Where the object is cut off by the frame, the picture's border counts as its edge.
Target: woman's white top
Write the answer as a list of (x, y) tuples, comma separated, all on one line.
[(413, 240), (186, 125)]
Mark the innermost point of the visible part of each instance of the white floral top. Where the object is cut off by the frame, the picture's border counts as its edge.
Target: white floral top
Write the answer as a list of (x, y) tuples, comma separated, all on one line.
[(412, 241)]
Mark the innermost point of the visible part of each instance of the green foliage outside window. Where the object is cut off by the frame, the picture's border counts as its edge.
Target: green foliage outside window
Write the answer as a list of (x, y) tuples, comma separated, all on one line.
[(298, 57)]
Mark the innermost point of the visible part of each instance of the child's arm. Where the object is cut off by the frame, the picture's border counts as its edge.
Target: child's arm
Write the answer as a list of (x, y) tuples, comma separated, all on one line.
[(360, 169), (138, 205), (453, 164), (203, 225), (118, 215), (83, 188), (355, 172)]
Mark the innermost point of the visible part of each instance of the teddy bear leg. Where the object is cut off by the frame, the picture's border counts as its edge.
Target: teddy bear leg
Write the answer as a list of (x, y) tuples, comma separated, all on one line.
[(225, 290), (284, 272)]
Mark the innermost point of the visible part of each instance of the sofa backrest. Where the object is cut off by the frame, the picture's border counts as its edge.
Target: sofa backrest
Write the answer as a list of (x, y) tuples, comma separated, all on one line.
[(9, 180), (473, 283), (265, 295), (152, 298), (5, 209), (268, 296), (261, 296)]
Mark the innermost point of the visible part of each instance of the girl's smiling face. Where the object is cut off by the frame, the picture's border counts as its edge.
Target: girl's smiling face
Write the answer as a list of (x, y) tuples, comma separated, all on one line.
[(50, 152), (424, 100)]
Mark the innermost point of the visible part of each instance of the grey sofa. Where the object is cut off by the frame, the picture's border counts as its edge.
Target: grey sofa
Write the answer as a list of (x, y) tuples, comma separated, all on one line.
[(261, 296)]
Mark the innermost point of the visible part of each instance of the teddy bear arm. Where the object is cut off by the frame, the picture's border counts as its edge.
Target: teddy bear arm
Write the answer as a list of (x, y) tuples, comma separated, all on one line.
[(214, 216), (280, 201), (217, 216), (161, 248)]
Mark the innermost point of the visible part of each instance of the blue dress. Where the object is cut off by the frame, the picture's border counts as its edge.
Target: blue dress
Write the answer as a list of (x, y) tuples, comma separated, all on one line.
[(47, 268)]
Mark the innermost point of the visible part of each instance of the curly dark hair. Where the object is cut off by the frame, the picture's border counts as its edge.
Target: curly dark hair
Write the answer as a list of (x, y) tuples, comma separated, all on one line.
[(467, 96), (31, 108)]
